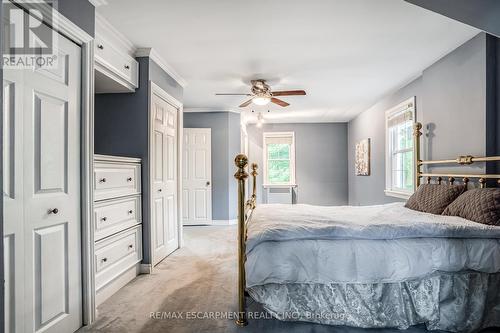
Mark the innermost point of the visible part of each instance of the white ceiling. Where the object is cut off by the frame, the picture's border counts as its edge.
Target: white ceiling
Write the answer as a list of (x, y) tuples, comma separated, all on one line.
[(346, 54)]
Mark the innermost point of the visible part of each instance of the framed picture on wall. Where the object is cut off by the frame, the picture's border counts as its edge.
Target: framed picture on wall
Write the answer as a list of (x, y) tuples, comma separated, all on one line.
[(362, 162)]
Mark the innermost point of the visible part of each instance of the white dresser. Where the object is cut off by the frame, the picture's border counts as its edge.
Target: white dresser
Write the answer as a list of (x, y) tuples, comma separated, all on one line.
[(117, 223)]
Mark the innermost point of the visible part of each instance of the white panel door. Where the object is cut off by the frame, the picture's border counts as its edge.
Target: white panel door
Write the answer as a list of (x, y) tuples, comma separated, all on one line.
[(42, 196), (197, 176), (164, 178)]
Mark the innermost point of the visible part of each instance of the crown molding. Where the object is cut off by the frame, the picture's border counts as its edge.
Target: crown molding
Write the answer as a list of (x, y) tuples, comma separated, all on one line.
[(109, 30), (151, 53), (187, 109), (98, 3)]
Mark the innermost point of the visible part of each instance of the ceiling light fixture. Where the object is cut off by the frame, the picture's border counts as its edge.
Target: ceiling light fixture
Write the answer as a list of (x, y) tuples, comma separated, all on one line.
[(261, 100)]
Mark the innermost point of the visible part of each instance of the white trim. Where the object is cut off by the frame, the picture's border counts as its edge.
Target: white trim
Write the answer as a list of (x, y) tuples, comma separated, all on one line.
[(266, 135), (224, 222), (397, 194), (105, 29), (106, 70), (211, 110), (406, 104), (116, 159), (157, 90), (145, 268), (279, 185), (151, 53)]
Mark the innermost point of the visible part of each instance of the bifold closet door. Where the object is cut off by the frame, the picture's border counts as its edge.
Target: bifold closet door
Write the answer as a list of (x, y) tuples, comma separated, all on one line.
[(164, 177), (42, 251)]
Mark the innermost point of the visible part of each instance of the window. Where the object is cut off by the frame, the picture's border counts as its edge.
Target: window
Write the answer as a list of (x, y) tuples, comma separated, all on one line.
[(399, 149), (279, 158)]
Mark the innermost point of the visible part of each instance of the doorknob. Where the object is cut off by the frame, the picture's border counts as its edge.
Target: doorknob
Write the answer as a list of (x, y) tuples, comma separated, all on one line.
[(208, 183), (53, 211)]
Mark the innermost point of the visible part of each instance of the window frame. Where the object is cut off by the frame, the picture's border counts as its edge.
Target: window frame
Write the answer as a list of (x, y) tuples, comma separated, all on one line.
[(389, 152), (265, 137)]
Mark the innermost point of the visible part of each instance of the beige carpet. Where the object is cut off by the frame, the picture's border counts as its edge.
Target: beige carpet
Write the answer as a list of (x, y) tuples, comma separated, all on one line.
[(201, 278)]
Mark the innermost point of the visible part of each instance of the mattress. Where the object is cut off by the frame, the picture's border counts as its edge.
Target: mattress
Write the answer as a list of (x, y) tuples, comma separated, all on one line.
[(371, 244)]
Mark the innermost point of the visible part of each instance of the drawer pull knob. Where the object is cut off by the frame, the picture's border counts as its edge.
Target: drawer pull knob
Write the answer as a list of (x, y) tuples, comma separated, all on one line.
[(104, 218), (53, 211), (127, 67), (159, 190), (104, 259), (130, 211), (129, 179), (102, 180), (131, 246), (100, 47)]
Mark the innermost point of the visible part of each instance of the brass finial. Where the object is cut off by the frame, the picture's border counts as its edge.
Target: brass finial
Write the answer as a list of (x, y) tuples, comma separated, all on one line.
[(416, 129), (451, 180), (254, 169), (482, 182), (439, 179), (241, 161), (429, 179), (465, 180)]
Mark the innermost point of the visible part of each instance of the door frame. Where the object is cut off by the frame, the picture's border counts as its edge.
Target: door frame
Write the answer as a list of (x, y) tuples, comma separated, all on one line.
[(156, 89), (70, 30)]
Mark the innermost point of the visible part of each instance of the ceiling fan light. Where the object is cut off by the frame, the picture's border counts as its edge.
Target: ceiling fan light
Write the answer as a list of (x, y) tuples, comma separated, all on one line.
[(261, 100)]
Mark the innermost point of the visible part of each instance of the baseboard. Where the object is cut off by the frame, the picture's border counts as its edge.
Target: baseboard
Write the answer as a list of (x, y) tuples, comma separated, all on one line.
[(146, 269), (116, 284), (224, 222)]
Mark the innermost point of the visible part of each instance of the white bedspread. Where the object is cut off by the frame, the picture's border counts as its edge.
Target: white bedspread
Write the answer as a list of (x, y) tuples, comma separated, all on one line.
[(384, 243)]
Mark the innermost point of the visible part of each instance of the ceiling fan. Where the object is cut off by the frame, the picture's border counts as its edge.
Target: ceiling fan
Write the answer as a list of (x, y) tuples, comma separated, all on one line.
[(262, 94)]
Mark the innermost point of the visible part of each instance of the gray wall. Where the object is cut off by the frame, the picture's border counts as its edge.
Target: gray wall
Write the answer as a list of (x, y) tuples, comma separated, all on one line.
[(225, 145), (80, 12), (121, 127), (321, 160), (493, 100), (451, 104)]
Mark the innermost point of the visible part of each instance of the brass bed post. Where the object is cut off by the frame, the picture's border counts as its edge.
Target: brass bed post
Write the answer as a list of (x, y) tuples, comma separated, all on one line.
[(416, 154), (241, 162)]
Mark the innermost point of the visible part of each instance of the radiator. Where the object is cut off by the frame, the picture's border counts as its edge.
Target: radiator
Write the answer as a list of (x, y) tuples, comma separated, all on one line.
[(281, 195)]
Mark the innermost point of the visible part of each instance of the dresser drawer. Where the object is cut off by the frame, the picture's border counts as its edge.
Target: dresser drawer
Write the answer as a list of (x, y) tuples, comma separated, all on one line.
[(117, 62), (116, 254), (113, 180), (112, 216)]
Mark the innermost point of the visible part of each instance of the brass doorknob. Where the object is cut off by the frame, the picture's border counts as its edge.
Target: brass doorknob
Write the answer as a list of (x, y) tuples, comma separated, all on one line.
[(53, 211)]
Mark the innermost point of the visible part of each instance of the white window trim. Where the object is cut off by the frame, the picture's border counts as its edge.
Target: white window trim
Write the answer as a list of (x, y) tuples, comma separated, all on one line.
[(389, 191), (266, 135)]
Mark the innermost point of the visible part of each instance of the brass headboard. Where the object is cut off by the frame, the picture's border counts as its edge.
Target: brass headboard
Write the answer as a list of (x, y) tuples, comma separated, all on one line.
[(450, 177)]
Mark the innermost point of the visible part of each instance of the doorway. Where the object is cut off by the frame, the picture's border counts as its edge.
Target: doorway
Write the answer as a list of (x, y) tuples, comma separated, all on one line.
[(197, 176)]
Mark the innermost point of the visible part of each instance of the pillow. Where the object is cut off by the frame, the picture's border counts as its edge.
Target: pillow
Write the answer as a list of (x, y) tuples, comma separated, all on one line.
[(434, 198), (479, 205)]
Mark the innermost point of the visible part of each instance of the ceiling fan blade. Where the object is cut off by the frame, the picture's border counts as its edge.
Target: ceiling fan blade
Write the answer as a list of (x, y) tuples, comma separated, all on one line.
[(289, 93), (230, 94), (247, 103), (279, 102)]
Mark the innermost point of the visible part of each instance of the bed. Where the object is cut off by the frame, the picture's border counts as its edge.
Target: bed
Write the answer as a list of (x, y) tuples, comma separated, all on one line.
[(371, 266)]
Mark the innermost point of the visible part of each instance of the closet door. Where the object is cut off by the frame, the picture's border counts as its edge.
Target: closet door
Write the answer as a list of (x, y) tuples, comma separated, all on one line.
[(164, 178), (43, 226)]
